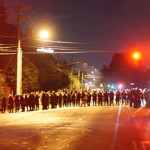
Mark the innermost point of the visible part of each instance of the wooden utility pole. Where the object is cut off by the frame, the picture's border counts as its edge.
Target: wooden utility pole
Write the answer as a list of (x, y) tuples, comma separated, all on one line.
[(71, 70), (82, 78), (19, 18), (79, 71)]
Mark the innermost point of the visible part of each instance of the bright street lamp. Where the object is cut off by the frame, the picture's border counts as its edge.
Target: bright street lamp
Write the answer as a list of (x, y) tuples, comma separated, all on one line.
[(44, 34)]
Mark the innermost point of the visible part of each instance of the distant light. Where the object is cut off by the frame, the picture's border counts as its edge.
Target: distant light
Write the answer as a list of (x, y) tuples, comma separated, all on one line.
[(85, 84), (101, 85), (49, 50), (137, 55), (112, 87), (108, 85), (93, 79), (120, 86), (44, 34), (92, 71), (131, 83)]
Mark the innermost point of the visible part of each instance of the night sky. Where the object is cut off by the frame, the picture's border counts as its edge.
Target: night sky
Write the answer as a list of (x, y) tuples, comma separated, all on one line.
[(109, 25)]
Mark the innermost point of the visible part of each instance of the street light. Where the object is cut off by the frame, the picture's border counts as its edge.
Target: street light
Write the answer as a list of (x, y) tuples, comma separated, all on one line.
[(44, 34)]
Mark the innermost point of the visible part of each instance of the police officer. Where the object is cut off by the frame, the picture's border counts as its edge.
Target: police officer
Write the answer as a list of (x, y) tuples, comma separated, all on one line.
[(22, 102), (65, 99), (10, 104), (27, 101), (73, 99), (88, 99), (68, 99), (94, 98), (117, 97), (60, 100), (44, 101), (17, 103), (100, 98), (78, 98), (111, 97), (83, 98), (37, 101), (123, 94), (105, 97), (52, 100)]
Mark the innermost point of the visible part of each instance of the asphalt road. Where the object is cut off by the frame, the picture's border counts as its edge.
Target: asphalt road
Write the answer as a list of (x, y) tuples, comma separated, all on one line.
[(82, 128)]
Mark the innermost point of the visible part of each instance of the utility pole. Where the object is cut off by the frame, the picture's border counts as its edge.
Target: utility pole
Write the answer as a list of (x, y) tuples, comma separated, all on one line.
[(79, 71), (82, 75), (71, 69), (19, 18)]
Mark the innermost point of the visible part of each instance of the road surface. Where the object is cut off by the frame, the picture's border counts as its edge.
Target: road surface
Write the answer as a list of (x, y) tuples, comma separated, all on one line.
[(90, 128)]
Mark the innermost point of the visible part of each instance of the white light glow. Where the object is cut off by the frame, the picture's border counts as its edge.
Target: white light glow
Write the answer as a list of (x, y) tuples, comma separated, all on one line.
[(44, 34), (49, 50)]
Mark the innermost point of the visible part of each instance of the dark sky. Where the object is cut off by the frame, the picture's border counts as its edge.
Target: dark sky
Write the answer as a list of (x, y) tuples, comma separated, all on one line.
[(110, 24)]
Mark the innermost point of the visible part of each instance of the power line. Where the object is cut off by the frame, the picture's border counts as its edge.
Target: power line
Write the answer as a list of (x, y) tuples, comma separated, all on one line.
[(84, 52)]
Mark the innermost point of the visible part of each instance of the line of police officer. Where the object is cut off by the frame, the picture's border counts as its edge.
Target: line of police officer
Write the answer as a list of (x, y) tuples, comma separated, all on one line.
[(54, 99)]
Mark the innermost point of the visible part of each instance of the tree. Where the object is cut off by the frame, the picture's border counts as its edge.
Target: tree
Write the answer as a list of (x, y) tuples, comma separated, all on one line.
[(30, 76), (122, 69)]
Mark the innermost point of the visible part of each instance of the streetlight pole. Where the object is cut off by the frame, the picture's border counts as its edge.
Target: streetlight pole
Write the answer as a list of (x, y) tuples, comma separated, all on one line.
[(19, 9), (19, 60)]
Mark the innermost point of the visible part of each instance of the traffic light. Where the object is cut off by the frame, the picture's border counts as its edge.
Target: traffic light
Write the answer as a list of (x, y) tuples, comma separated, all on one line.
[(137, 55)]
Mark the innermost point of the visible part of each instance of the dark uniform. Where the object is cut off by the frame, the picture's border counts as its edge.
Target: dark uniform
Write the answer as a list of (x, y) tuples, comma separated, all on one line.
[(64, 100), (78, 99), (83, 98), (94, 98), (44, 101), (31, 102), (117, 97), (88, 99), (123, 94), (52, 99), (68, 99), (60, 100), (17, 103), (27, 101), (37, 101), (10, 104), (100, 99), (105, 97), (73, 98), (22, 102), (111, 97)]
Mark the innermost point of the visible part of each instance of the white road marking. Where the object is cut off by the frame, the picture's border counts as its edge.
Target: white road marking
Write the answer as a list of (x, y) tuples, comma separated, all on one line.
[(147, 113), (139, 109), (116, 128)]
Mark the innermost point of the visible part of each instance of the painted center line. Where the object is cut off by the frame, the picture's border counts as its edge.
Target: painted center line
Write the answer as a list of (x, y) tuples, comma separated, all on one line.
[(116, 128)]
